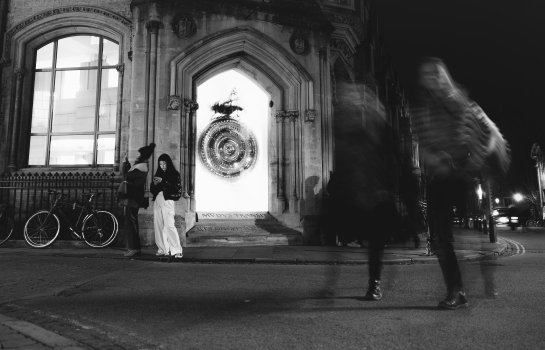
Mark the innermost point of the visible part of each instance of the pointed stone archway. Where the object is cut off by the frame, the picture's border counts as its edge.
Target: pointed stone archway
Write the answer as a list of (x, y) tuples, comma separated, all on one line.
[(291, 90)]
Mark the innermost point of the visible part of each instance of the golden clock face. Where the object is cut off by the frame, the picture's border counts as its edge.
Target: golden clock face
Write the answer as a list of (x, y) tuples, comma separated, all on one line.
[(227, 148)]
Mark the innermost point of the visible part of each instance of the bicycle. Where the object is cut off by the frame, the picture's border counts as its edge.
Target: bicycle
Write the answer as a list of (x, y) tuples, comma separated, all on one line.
[(6, 222), (98, 227)]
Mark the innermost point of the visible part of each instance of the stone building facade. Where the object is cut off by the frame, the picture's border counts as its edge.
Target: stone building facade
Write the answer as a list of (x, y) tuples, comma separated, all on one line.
[(86, 83)]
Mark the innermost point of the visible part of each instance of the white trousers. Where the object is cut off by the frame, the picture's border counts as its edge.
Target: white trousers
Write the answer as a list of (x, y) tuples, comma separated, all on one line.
[(166, 235)]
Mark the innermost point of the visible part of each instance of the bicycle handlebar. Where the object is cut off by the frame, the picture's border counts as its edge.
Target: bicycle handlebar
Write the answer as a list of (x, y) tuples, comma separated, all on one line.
[(60, 195)]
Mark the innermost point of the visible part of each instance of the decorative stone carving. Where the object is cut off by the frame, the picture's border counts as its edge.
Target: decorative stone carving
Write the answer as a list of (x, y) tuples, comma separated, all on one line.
[(190, 105), (227, 147), (310, 115), (342, 47), (174, 103), (184, 26), (299, 43)]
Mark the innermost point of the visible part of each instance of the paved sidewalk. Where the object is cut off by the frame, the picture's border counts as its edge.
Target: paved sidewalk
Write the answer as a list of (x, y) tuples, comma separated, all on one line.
[(18, 334), (469, 245)]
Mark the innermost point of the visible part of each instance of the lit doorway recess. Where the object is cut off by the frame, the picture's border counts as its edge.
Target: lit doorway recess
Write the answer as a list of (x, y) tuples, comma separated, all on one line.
[(248, 190)]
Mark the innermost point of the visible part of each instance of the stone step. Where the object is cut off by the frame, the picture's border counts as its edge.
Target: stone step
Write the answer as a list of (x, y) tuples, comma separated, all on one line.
[(240, 229)]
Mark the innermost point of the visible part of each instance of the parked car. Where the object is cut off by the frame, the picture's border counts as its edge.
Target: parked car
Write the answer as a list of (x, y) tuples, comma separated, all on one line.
[(512, 216)]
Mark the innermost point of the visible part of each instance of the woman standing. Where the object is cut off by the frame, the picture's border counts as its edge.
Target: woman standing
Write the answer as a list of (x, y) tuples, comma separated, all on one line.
[(166, 188), (136, 182)]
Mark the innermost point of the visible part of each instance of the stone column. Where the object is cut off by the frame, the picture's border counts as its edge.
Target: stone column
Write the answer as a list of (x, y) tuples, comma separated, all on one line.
[(19, 74), (281, 158), (153, 32), (293, 117), (187, 154)]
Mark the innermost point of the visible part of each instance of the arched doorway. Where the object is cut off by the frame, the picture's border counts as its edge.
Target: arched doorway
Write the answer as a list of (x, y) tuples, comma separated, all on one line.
[(222, 182)]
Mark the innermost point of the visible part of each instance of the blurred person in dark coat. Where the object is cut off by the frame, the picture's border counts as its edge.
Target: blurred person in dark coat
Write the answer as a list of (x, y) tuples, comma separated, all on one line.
[(361, 191)]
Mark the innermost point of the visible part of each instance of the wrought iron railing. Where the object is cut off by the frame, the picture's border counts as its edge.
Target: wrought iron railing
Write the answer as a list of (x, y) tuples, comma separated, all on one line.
[(29, 192)]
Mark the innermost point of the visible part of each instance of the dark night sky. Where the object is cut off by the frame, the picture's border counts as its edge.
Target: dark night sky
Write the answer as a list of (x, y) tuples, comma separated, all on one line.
[(495, 49)]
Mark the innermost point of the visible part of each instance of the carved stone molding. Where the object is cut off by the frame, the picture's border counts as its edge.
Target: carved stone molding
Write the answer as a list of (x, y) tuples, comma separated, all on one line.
[(292, 115), (310, 115), (153, 26), (59, 11), (282, 115), (174, 103), (190, 105), (184, 25), (228, 215)]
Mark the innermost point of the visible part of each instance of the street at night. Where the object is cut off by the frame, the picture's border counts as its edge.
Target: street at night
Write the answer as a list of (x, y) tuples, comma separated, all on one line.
[(145, 304)]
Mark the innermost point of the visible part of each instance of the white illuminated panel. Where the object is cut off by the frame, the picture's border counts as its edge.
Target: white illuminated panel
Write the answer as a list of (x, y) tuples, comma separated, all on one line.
[(249, 191)]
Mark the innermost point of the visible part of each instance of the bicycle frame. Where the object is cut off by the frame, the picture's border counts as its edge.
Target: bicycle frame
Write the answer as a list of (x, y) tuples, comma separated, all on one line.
[(84, 210)]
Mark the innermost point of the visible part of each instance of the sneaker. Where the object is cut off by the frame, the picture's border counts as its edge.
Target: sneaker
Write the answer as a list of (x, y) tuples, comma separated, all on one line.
[(453, 301), (160, 253), (374, 293), (131, 253), (178, 256)]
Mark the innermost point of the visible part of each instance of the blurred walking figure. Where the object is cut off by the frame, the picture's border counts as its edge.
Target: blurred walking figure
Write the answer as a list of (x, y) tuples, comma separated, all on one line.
[(136, 183), (166, 188), (458, 142), (361, 205)]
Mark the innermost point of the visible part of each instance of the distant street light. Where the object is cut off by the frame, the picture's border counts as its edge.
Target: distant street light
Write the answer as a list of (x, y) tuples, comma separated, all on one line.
[(480, 192), (518, 197), (497, 201)]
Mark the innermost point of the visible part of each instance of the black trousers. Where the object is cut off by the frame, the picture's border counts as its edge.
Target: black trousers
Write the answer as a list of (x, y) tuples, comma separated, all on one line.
[(130, 223), (445, 192)]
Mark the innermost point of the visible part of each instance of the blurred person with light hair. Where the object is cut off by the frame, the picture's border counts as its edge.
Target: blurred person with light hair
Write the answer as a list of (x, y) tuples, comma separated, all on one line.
[(458, 142)]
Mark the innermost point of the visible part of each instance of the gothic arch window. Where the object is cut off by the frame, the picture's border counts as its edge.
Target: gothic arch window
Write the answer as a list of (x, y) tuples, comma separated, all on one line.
[(74, 102)]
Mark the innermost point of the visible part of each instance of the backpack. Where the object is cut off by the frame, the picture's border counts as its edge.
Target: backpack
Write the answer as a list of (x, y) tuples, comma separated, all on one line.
[(488, 151)]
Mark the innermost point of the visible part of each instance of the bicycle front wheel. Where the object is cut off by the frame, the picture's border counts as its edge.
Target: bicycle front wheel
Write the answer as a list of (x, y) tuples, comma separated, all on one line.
[(41, 229), (6, 228), (99, 229)]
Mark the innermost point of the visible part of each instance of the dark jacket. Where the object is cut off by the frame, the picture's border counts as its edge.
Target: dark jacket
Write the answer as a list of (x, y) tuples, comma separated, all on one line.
[(171, 188), (136, 182), (171, 184)]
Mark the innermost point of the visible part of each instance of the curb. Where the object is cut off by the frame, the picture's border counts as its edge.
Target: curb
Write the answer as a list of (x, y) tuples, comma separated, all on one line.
[(39, 334)]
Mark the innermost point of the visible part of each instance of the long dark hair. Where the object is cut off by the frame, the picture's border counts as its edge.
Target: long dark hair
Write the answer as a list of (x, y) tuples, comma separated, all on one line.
[(171, 174)]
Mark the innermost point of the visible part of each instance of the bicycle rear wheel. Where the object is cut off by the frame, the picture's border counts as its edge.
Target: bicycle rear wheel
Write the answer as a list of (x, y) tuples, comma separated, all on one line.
[(41, 229), (6, 228), (99, 229)]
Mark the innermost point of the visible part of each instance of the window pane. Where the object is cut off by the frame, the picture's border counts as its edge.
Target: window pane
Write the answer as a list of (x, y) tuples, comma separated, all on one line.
[(44, 57), (72, 149), (105, 149), (37, 151), (40, 103), (78, 51), (108, 100), (110, 53), (75, 101)]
